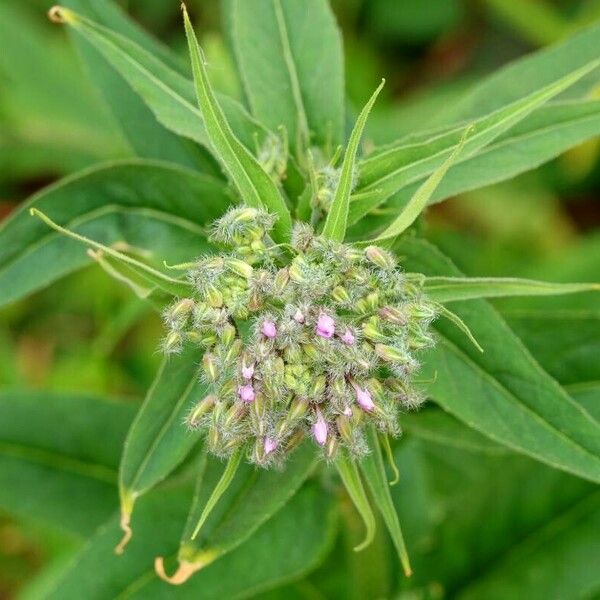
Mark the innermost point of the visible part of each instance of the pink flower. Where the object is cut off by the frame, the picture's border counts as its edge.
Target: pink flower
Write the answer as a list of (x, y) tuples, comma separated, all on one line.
[(319, 430), (269, 329), (325, 326), (269, 445), (246, 393), (363, 397), (348, 338), (247, 371)]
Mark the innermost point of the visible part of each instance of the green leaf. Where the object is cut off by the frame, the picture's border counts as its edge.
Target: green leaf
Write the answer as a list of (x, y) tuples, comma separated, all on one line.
[(168, 94), (289, 54), (148, 138), (420, 199), (252, 498), (546, 133), (337, 217), (158, 210), (59, 456), (503, 392), (148, 274), (450, 289), (373, 471), (529, 570), (158, 439), (274, 555), (529, 74), (254, 185), (348, 471), (393, 167)]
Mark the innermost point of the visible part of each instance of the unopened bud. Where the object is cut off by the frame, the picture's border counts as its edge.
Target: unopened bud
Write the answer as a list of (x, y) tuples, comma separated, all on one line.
[(296, 269), (298, 409), (281, 280), (269, 445), (344, 427), (241, 268), (214, 297), (319, 429), (182, 308), (318, 386), (331, 447), (173, 342), (339, 294), (380, 257), (209, 364), (393, 315), (228, 333), (246, 393), (203, 407), (372, 332), (389, 353), (269, 329), (325, 326)]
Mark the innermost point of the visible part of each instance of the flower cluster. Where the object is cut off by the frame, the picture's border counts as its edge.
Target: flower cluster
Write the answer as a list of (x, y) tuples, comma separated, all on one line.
[(315, 338)]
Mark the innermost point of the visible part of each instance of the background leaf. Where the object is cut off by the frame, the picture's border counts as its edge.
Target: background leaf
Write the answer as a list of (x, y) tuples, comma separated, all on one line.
[(59, 456), (289, 54), (158, 209)]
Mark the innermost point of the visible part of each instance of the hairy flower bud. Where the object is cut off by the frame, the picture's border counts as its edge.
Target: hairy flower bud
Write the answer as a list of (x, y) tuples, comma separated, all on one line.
[(325, 326), (210, 367), (239, 267), (269, 329), (319, 430), (380, 257), (246, 393)]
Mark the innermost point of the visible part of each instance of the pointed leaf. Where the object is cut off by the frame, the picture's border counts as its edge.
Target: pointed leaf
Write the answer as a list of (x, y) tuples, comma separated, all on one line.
[(337, 217), (450, 289), (295, 76), (503, 392), (158, 439), (373, 471), (159, 210), (254, 185)]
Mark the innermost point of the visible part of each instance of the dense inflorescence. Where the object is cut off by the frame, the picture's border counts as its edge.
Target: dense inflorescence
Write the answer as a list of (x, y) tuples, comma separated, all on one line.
[(315, 338)]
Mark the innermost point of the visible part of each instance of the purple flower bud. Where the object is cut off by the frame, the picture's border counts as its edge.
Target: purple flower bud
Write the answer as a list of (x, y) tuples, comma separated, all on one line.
[(246, 393), (269, 445), (298, 316), (247, 371), (363, 397), (325, 326), (348, 338), (319, 430), (269, 329)]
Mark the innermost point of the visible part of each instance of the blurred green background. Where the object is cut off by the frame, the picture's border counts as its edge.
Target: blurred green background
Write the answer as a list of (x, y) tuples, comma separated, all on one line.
[(86, 333)]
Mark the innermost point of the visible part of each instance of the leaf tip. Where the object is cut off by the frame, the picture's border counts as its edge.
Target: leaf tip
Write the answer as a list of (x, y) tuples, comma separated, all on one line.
[(127, 533), (184, 571), (61, 15)]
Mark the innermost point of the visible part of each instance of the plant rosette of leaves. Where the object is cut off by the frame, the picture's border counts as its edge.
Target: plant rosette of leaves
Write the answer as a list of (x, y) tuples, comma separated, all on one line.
[(293, 330)]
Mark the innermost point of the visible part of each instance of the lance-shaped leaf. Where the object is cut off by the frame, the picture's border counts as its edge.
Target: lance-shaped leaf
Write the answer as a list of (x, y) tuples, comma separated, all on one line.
[(395, 166), (59, 455), (252, 498), (158, 439), (373, 470), (450, 289), (157, 209), (147, 273), (348, 471), (146, 136), (289, 54), (168, 94), (337, 217), (419, 201), (254, 185), (503, 392)]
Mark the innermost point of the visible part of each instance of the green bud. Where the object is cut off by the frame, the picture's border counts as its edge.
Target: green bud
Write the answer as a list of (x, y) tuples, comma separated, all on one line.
[(214, 297), (372, 332), (208, 340), (203, 407), (209, 365), (318, 386), (344, 427), (393, 315), (389, 353), (182, 308), (281, 280), (311, 351), (296, 269), (233, 351), (173, 342), (331, 447), (339, 294), (241, 268), (372, 300), (228, 333), (422, 311), (246, 214), (380, 257), (235, 414), (294, 440), (298, 409)]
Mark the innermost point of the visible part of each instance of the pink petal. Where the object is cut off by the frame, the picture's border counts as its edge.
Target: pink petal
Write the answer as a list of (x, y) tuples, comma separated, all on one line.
[(246, 393), (269, 329)]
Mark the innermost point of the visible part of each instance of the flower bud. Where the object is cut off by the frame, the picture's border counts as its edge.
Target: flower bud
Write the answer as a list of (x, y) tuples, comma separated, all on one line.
[(298, 316), (372, 300), (233, 351), (247, 367), (339, 294), (183, 308), (389, 353), (173, 342), (319, 429), (344, 427), (325, 326), (246, 393), (393, 315), (203, 407), (209, 365), (363, 397), (269, 445), (234, 415), (331, 447), (269, 329), (239, 267), (294, 440), (318, 386), (297, 269), (227, 334), (245, 214), (372, 332), (298, 409), (281, 280), (214, 297), (348, 338), (380, 257)]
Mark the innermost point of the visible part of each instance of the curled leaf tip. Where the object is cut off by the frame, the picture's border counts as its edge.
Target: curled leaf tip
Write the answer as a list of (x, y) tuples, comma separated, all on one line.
[(58, 14), (184, 571), (127, 533)]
